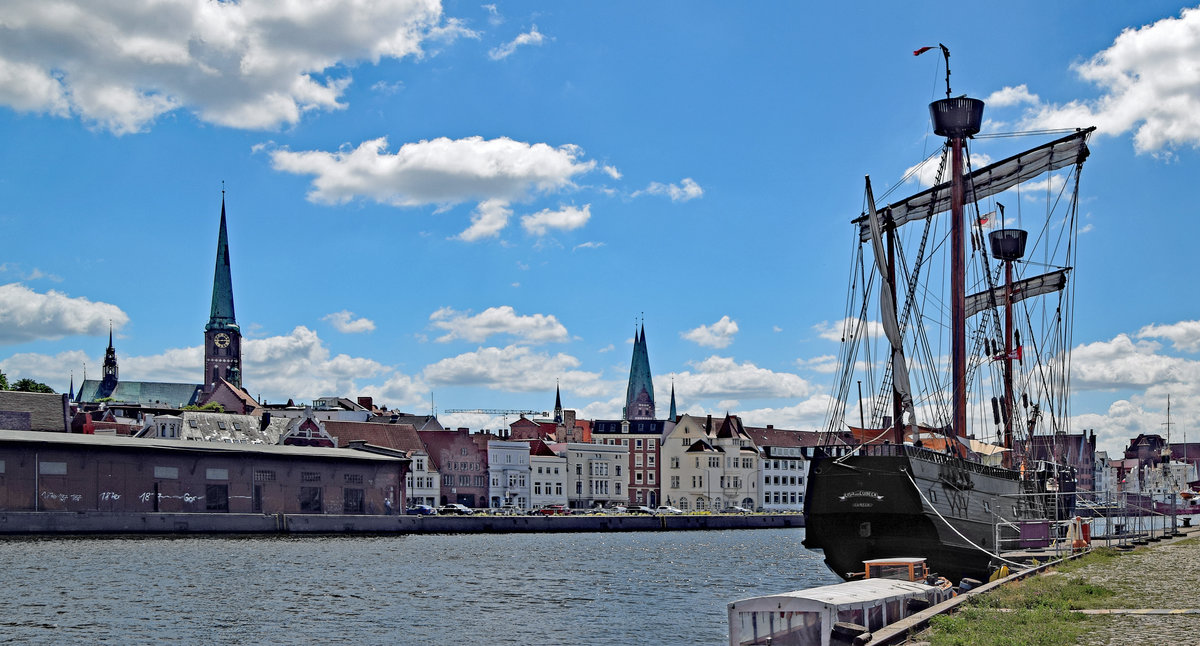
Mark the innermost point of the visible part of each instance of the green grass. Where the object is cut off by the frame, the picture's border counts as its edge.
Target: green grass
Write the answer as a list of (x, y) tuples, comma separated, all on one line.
[(1035, 611)]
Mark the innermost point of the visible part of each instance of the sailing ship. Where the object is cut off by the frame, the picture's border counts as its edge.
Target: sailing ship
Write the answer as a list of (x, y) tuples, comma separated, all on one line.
[(937, 467)]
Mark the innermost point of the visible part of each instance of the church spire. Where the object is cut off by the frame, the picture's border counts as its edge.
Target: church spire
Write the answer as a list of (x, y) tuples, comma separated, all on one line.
[(108, 383), (558, 410), (673, 416), (639, 396), (222, 336), (221, 314)]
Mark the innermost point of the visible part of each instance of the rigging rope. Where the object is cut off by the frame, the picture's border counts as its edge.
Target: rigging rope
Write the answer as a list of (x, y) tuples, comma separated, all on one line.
[(952, 527)]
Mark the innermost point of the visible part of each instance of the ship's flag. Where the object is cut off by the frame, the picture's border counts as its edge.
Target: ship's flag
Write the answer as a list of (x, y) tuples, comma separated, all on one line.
[(1015, 354), (918, 52), (986, 218)]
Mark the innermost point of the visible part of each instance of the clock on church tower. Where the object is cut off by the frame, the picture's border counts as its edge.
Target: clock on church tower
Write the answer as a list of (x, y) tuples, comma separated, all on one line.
[(222, 336)]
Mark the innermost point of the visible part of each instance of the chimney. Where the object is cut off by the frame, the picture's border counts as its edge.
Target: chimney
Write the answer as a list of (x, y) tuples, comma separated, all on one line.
[(366, 402), (264, 421)]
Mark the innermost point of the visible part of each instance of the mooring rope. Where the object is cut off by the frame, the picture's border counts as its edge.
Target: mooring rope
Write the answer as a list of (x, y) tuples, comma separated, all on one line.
[(952, 528)]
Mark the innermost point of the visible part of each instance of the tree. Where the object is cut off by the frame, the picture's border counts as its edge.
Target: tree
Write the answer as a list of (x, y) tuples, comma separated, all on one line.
[(28, 385), (210, 407), (3, 381)]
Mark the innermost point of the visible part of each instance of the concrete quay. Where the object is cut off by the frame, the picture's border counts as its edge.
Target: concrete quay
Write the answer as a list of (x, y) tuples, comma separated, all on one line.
[(1155, 589), (113, 523)]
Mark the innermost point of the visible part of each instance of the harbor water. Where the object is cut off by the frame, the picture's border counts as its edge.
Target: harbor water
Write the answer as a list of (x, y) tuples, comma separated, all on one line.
[(606, 588)]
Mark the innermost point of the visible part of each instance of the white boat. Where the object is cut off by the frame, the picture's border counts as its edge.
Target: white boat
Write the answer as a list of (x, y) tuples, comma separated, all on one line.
[(808, 617)]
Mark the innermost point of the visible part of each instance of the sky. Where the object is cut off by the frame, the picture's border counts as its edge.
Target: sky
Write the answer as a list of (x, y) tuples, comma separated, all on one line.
[(459, 205)]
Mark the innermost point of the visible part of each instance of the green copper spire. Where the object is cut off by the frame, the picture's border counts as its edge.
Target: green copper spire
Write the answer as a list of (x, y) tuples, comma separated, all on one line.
[(639, 397), (221, 314)]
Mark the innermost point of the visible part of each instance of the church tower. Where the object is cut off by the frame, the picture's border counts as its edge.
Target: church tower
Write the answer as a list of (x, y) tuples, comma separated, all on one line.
[(108, 383), (222, 336), (639, 396)]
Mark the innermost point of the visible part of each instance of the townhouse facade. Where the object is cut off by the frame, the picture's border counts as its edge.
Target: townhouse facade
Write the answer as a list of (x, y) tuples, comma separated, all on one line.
[(643, 439), (596, 474), (508, 474), (710, 466)]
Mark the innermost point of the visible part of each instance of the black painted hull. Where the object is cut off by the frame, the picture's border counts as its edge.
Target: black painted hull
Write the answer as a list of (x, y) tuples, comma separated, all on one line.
[(904, 502)]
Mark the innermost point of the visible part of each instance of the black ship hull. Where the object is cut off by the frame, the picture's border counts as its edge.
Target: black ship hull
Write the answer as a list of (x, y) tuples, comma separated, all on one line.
[(890, 501)]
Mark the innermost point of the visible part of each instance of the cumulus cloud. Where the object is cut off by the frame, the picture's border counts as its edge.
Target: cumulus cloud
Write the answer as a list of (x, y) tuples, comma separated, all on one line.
[(1150, 86), (55, 371), (26, 315), (442, 171), (534, 329), (723, 377), (717, 335), (564, 219), (531, 37), (686, 190), (513, 368), (1011, 96), (250, 64), (846, 328), (345, 322), (1185, 335)]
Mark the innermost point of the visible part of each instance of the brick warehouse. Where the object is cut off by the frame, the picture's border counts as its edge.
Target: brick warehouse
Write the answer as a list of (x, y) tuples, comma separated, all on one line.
[(70, 472)]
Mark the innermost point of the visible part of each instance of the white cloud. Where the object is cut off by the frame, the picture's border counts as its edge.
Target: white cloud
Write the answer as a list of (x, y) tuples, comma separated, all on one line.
[(1150, 85), (54, 371), (440, 172), (723, 377), (717, 335), (808, 415), (565, 219), (489, 219), (245, 64), (26, 315), (1011, 96), (345, 322), (531, 37), (588, 245), (838, 330), (1125, 364), (514, 368), (688, 189), (1185, 335), (536, 328), (611, 171)]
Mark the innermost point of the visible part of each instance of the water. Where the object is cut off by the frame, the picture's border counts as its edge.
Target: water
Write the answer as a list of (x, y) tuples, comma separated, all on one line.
[(608, 588)]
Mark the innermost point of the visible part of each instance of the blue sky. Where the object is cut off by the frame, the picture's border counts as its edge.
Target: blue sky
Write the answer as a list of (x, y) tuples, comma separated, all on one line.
[(474, 202)]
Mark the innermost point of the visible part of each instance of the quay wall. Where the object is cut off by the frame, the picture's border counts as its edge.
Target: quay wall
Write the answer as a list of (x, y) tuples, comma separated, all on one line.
[(116, 523)]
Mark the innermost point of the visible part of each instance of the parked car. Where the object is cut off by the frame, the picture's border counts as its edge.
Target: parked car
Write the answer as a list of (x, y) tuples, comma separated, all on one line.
[(667, 509), (736, 510), (421, 510), (456, 508), (641, 509), (554, 510)]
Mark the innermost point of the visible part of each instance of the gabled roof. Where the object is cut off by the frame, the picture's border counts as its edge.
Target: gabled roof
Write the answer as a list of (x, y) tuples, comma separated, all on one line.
[(785, 438), (419, 422), (21, 411), (700, 446), (402, 437), (228, 428), (144, 392)]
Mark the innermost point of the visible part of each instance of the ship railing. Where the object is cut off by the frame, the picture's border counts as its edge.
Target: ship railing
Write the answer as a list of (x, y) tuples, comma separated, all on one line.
[(914, 452), (1113, 519)]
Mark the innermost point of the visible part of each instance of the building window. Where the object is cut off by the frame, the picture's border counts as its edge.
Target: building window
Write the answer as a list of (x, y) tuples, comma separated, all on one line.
[(310, 500), (216, 474), (216, 497), (637, 444), (674, 462), (60, 469), (264, 476), (352, 501), (161, 473), (674, 482), (352, 478), (447, 480), (637, 460), (310, 476), (650, 477), (650, 460)]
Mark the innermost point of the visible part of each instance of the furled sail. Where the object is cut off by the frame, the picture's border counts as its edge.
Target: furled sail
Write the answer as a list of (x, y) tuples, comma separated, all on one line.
[(990, 180), (887, 310), (1044, 284)]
